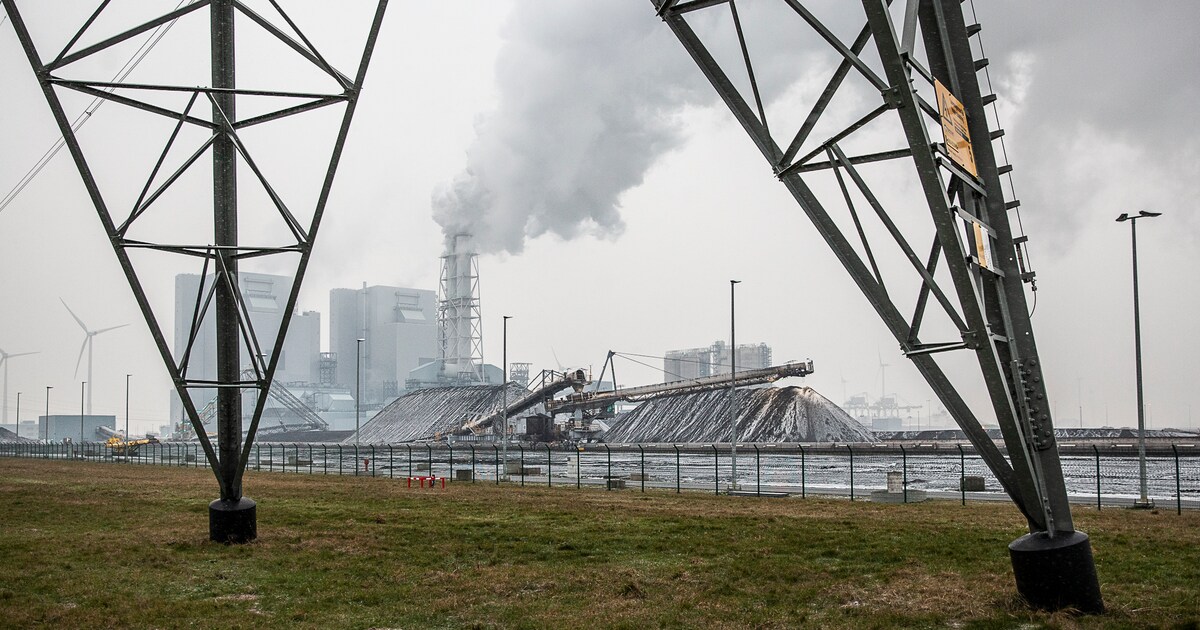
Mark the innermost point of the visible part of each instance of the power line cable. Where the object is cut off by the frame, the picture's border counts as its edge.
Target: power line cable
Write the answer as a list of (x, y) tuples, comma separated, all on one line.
[(133, 62)]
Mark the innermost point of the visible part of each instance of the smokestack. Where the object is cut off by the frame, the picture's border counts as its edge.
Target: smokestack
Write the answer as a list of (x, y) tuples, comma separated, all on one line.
[(458, 310)]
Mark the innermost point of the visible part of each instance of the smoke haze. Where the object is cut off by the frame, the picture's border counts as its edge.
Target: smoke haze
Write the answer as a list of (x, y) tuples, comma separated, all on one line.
[(586, 98)]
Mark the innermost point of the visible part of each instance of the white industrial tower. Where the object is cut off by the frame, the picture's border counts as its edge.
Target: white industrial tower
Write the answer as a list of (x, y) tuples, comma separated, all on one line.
[(459, 330)]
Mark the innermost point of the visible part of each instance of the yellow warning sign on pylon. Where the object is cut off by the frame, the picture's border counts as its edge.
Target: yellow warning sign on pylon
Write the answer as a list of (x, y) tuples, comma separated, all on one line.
[(954, 129)]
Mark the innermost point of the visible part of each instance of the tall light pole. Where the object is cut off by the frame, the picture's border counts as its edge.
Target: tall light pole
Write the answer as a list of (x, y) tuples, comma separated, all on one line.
[(1079, 393), (1144, 501), (82, 399), (357, 387), (48, 388), (732, 385), (504, 394), (127, 409)]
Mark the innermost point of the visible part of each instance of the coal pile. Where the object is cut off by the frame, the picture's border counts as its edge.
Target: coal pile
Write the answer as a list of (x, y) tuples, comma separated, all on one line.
[(425, 413), (773, 414)]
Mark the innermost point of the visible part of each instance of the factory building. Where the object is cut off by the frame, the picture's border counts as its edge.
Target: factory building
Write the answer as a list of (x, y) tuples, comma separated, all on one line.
[(265, 297), (682, 365), (26, 428), (399, 330), (57, 428)]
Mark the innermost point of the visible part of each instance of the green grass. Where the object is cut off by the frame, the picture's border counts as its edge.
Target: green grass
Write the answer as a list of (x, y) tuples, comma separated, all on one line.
[(109, 545)]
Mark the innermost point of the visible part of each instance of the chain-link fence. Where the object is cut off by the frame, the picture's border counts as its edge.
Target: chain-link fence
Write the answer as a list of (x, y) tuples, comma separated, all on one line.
[(1104, 476)]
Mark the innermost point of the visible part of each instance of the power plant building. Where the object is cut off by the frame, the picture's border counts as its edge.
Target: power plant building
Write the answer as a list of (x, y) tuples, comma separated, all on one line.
[(399, 330), (682, 365), (265, 297)]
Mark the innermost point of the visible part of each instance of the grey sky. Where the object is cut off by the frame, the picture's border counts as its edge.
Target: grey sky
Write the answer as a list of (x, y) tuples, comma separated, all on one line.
[(628, 197)]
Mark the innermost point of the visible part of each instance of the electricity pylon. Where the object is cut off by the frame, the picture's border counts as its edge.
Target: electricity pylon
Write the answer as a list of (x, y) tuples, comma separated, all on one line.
[(909, 109), (232, 517)]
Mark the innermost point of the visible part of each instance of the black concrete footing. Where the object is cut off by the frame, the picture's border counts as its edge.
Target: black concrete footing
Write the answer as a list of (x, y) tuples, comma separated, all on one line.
[(233, 522), (1056, 573)]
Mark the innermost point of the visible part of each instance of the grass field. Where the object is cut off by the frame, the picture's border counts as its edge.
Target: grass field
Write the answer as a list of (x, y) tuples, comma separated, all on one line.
[(104, 545)]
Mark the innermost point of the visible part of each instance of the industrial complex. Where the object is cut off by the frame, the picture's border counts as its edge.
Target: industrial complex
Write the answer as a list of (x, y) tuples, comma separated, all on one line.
[(406, 364)]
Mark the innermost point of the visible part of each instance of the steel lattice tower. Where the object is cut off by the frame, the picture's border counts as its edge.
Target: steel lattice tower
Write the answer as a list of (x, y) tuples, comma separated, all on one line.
[(920, 111), (232, 517)]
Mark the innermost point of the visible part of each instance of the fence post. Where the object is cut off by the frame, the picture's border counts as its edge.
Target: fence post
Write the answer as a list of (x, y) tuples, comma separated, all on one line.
[(324, 459), (1097, 452), (851, 449), (429, 456), (757, 472), (676, 468), (450, 475), (549, 470), (608, 477), (962, 475), (642, 451), (578, 466), (310, 459), (522, 449), (904, 467), (373, 462), (341, 461), (409, 459), (803, 492), (472, 462), (1178, 494), (716, 471), (497, 449)]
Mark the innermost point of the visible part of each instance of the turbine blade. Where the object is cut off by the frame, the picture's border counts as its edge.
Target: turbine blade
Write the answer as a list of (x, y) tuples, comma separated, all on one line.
[(19, 354), (80, 359), (77, 320), (556, 361), (97, 332)]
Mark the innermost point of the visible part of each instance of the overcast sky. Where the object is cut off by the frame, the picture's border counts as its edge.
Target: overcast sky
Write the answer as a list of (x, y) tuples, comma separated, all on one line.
[(616, 197)]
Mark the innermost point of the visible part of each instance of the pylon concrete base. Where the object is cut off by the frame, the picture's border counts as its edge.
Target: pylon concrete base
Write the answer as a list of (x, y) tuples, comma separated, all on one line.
[(1056, 573), (233, 522)]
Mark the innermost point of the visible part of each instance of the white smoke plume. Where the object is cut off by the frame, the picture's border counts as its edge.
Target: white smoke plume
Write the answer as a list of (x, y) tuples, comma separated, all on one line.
[(586, 91)]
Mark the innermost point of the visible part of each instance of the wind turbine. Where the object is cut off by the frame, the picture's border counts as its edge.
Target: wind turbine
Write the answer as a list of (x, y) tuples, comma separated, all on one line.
[(4, 357), (87, 345)]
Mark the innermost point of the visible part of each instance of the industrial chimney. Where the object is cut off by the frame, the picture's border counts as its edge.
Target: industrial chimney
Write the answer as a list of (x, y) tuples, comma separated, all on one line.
[(458, 312)]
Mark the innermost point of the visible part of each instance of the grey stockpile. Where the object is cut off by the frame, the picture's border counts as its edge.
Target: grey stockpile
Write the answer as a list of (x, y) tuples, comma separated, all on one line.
[(422, 414), (774, 414)]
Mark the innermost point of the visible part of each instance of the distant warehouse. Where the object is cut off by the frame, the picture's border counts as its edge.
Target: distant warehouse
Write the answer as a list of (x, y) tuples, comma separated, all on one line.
[(682, 365)]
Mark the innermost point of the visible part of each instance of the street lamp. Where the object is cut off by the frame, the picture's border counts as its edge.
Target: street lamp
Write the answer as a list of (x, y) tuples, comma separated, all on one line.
[(127, 409), (82, 398), (732, 385), (47, 427), (504, 393), (1144, 501), (357, 389)]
